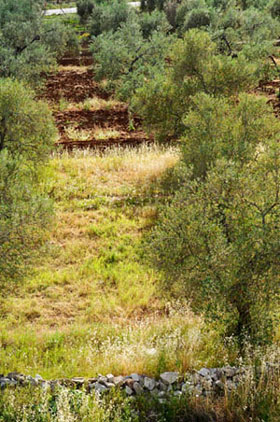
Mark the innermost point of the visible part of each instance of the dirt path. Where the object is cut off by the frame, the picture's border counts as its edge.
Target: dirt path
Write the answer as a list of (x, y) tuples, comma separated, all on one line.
[(85, 114)]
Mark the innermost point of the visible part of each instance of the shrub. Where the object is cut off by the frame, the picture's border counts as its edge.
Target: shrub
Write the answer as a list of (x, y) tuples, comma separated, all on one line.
[(275, 9), (108, 17), (26, 136), (85, 9), (155, 21), (217, 128), (126, 59), (195, 65), (28, 44), (217, 245), (197, 19)]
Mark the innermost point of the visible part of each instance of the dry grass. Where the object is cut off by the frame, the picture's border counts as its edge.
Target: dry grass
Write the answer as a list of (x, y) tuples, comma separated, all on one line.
[(92, 304), (98, 133)]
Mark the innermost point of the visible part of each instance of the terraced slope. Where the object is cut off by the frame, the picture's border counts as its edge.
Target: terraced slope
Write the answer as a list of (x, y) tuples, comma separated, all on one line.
[(85, 114)]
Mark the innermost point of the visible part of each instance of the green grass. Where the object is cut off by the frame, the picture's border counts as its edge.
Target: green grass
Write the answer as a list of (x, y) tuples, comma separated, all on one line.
[(92, 305)]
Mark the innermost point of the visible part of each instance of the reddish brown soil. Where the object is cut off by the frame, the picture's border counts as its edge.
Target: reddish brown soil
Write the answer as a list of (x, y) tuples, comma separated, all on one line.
[(73, 86), (77, 85), (272, 91)]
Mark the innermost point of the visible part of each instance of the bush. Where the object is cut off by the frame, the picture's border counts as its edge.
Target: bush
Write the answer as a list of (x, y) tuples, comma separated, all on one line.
[(195, 65), (108, 17), (85, 9), (197, 19), (126, 59), (28, 44), (216, 128), (216, 243), (155, 21), (275, 9), (26, 136)]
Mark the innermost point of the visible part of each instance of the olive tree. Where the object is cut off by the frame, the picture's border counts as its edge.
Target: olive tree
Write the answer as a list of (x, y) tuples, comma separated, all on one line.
[(27, 133), (217, 244), (126, 59), (29, 45), (195, 65)]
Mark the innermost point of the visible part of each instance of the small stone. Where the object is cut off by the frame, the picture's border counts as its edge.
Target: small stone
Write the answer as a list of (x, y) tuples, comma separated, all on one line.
[(102, 379), (204, 372), (177, 393), (229, 372), (78, 380), (118, 380), (169, 377), (110, 377), (38, 377), (230, 385), (220, 385), (149, 383), (161, 394), (100, 388), (135, 377), (128, 391), (31, 380), (45, 385), (137, 388), (186, 387), (162, 386)]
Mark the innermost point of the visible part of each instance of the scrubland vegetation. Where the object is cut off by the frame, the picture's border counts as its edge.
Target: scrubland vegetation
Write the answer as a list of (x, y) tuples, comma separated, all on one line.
[(128, 251)]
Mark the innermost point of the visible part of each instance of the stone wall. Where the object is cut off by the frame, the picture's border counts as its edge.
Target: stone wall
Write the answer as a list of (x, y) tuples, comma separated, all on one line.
[(200, 383)]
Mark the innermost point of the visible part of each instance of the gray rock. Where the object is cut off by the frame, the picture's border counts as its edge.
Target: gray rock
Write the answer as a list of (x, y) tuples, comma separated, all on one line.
[(109, 384), (187, 386), (110, 377), (149, 383), (128, 391), (169, 377), (118, 380), (177, 393), (31, 380), (229, 372), (137, 388), (135, 377), (219, 385), (78, 380), (162, 386), (204, 372), (161, 394), (100, 388)]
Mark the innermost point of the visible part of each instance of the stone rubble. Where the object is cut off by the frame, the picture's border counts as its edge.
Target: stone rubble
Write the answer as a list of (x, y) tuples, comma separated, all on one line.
[(204, 382)]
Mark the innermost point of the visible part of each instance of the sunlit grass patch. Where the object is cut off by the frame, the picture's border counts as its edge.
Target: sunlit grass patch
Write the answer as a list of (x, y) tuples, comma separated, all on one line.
[(92, 304), (97, 103)]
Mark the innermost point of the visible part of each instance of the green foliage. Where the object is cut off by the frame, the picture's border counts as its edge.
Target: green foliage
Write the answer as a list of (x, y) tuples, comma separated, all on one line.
[(195, 66), (155, 21), (26, 135), (275, 9), (126, 58), (84, 9), (28, 45), (215, 128), (108, 16), (217, 242)]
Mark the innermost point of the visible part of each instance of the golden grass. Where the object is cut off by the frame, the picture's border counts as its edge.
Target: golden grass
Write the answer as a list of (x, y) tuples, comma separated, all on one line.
[(92, 305), (98, 133)]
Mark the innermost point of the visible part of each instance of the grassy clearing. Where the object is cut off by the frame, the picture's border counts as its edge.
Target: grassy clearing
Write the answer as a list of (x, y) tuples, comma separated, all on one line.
[(98, 133), (92, 306)]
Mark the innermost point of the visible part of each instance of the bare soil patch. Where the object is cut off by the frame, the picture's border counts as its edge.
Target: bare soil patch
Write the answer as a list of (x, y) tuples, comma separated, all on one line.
[(73, 86), (79, 123)]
